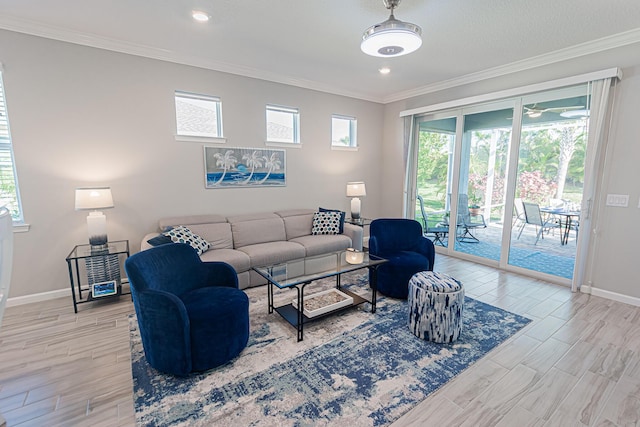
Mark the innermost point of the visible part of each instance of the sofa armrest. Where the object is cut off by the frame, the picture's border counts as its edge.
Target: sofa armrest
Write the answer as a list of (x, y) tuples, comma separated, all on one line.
[(355, 233)]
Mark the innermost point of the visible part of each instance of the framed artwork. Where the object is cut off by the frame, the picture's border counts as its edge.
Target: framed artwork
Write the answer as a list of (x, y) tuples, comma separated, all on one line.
[(226, 167), (104, 289)]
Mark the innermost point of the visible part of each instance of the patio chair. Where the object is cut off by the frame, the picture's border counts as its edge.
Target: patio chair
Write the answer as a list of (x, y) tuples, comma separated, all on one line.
[(533, 216), (466, 222), (519, 221), (439, 232)]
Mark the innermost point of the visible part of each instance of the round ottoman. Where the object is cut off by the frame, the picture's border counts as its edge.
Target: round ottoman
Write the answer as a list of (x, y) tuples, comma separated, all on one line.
[(435, 301)]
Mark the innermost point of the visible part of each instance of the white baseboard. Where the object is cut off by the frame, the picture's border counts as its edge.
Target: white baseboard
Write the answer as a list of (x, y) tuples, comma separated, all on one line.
[(44, 296), (611, 295)]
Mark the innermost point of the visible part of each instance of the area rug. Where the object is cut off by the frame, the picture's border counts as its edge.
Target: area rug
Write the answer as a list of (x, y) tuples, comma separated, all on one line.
[(356, 369)]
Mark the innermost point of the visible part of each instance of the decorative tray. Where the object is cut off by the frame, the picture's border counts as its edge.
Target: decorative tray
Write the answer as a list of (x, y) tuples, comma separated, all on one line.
[(323, 302)]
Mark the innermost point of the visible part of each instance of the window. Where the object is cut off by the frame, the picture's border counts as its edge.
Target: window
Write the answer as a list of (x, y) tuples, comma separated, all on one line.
[(283, 124), (198, 115), (343, 131), (9, 195)]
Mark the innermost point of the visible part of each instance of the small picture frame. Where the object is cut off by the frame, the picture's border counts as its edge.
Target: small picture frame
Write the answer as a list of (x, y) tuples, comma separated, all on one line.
[(104, 289)]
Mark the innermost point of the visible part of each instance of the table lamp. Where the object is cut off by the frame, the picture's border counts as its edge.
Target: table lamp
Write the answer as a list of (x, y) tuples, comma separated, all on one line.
[(356, 190), (94, 198)]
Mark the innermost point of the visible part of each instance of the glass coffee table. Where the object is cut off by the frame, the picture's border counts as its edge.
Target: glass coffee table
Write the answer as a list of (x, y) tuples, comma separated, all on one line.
[(299, 273)]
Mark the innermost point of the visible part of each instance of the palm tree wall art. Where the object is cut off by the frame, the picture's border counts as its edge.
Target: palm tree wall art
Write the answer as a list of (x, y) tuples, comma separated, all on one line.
[(244, 167)]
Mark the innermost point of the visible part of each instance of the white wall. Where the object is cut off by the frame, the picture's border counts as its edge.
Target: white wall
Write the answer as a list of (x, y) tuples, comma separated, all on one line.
[(615, 270), (82, 116)]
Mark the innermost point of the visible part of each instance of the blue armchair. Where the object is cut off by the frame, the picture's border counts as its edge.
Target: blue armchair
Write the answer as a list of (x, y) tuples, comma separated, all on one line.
[(191, 314), (401, 242)]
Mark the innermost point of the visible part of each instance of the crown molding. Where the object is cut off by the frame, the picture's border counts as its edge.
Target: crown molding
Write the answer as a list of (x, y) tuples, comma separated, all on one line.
[(588, 48), (30, 27), (25, 26)]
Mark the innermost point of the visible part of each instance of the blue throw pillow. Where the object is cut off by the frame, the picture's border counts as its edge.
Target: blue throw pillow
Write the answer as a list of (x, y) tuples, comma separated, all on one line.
[(159, 240), (342, 215)]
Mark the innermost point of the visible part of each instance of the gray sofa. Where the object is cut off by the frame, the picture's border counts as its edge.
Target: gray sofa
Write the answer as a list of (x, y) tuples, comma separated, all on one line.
[(253, 240)]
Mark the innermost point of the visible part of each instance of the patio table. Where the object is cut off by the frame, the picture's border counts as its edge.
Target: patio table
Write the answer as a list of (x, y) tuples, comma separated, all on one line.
[(565, 218)]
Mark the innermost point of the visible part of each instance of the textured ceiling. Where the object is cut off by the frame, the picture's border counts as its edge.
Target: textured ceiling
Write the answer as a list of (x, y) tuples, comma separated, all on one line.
[(316, 44)]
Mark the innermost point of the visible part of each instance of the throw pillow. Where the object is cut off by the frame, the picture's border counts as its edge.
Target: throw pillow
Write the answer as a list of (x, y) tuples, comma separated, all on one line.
[(159, 240), (342, 215), (326, 223), (182, 234)]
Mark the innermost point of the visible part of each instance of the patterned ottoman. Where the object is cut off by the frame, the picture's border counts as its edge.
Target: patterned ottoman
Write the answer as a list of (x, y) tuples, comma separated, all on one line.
[(435, 301)]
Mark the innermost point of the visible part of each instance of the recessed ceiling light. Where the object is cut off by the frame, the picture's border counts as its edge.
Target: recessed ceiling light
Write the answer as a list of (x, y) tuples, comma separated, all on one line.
[(200, 16), (384, 70)]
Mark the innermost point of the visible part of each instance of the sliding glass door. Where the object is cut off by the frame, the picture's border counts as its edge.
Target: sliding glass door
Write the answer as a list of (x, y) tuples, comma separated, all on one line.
[(502, 182), (549, 184), (481, 200), (436, 139)]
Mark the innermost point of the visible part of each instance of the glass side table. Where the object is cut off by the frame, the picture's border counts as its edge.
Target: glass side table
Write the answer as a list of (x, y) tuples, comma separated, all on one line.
[(360, 221), (102, 269)]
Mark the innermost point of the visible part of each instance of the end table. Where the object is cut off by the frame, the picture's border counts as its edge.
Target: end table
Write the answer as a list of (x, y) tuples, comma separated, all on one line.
[(101, 267)]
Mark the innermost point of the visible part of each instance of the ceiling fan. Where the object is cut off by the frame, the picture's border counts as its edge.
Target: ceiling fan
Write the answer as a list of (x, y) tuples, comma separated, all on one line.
[(534, 112)]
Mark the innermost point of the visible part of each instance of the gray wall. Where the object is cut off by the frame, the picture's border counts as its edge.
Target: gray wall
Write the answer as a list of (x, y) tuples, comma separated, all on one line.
[(614, 268), (82, 116)]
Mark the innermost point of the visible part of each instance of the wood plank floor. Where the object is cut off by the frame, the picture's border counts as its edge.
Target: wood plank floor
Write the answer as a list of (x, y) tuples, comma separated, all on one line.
[(576, 364)]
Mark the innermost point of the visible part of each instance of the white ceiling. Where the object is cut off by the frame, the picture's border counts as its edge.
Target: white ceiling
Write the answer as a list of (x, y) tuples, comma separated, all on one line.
[(316, 43)]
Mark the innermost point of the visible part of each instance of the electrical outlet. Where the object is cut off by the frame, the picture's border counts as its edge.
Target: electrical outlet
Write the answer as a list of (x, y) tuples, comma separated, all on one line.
[(618, 200)]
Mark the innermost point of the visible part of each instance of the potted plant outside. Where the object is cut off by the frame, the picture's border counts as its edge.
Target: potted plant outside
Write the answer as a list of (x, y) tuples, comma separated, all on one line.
[(474, 207)]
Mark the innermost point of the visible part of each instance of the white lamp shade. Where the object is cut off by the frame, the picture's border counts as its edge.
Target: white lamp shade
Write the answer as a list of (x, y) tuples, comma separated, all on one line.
[(94, 198), (356, 189)]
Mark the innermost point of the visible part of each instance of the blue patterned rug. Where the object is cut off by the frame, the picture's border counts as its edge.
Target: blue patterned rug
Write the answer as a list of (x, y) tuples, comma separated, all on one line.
[(357, 368), (557, 265)]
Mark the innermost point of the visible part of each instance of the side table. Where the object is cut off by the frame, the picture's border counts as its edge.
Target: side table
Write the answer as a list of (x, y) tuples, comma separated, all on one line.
[(101, 266), (361, 222)]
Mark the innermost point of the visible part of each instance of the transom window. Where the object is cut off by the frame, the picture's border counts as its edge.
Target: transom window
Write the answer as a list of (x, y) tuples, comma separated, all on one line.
[(9, 194), (343, 131), (283, 124), (198, 115)]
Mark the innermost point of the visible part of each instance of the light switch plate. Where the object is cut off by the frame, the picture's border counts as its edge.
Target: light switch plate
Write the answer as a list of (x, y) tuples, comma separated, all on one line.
[(619, 200)]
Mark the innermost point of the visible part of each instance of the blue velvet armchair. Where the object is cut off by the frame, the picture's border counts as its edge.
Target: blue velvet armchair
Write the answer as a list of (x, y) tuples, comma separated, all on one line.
[(191, 314), (401, 242)]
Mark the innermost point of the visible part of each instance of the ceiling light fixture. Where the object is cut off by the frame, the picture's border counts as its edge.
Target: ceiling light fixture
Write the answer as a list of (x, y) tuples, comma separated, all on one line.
[(391, 37), (575, 114), (200, 16)]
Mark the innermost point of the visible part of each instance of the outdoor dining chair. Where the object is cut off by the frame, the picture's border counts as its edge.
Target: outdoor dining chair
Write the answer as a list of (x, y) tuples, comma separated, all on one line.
[(466, 222), (436, 233), (533, 216)]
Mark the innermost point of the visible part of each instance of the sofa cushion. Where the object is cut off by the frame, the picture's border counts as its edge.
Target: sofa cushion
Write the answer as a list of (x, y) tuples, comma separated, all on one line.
[(326, 223), (298, 225), (257, 228), (182, 234), (237, 259), (273, 252), (322, 244), (218, 234)]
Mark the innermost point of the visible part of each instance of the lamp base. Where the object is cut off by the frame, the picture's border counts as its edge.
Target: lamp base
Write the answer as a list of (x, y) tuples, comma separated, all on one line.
[(355, 208), (97, 227)]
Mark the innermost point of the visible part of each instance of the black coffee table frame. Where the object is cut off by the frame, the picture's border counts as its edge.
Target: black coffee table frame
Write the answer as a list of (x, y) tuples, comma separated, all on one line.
[(277, 275)]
